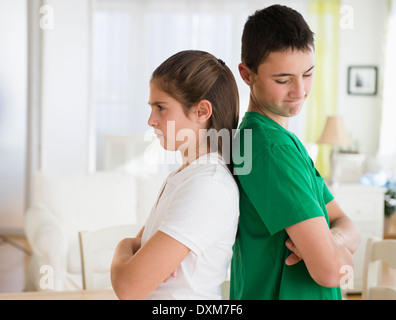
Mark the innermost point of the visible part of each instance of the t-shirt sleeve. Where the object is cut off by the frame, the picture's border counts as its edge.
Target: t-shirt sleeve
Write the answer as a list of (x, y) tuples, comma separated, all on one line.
[(327, 195), (202, 211), (283, 189)]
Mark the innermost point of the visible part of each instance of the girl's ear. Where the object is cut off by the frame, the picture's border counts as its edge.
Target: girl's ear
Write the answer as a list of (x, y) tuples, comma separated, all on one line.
[(246, 73), (203, 111)]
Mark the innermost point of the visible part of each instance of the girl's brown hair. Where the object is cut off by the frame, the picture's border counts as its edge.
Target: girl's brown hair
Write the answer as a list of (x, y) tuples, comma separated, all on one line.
[(191, 76)]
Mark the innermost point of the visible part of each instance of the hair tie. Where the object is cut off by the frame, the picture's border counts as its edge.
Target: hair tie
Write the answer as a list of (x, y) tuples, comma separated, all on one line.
[(221, 62)]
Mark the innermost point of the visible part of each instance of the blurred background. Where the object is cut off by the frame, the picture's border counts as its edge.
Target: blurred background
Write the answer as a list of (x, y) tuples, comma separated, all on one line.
[(74, 73)]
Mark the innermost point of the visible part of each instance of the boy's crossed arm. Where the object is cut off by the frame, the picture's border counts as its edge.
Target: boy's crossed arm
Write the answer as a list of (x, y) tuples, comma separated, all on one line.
[(324, 251)]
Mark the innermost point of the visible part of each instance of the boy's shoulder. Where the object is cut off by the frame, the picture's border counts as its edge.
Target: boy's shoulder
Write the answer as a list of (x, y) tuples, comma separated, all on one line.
[(265, 132)]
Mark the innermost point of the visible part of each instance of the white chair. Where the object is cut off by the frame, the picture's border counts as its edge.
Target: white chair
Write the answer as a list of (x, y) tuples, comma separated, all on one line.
[(97, 250), (377, 251)]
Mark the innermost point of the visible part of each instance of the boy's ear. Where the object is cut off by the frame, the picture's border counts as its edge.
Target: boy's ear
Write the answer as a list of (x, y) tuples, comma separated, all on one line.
[(203, 111), (246, 73)]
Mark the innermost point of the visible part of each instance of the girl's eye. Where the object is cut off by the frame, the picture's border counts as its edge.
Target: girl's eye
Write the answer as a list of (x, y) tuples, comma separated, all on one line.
[(307, 75), (160, 108), (281, 82)]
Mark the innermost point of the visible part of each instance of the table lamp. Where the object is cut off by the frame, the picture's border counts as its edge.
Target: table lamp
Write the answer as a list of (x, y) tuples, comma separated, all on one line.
[(334, 133)]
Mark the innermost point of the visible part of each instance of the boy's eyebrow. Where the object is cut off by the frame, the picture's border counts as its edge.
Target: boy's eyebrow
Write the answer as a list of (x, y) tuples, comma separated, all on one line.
[(290, 74)]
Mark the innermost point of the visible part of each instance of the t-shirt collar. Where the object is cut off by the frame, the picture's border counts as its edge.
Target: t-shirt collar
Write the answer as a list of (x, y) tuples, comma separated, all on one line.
[(253, 114), (178, 176)]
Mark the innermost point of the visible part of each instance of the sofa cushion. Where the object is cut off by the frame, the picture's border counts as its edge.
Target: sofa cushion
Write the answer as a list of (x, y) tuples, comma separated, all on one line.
[(87, 202)]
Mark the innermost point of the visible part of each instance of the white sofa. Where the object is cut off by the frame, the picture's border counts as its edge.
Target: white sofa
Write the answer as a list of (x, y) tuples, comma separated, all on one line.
[(64, 204)]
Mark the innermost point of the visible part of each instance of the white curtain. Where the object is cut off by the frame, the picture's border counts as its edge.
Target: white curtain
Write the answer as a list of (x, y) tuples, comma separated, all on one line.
[(387, 145), (133, 37)]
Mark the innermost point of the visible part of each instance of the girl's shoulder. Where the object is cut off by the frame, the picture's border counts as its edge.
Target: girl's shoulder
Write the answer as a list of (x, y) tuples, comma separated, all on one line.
[(204, 173)]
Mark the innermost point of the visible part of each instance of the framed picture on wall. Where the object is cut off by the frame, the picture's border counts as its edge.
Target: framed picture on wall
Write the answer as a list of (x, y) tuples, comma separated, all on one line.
[(362, 80)]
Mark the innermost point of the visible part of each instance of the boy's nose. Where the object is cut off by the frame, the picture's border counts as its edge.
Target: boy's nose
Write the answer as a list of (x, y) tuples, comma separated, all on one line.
[(298, 90)]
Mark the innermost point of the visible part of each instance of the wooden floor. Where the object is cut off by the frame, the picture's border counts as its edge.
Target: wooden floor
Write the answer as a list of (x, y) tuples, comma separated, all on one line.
[(14, 258)]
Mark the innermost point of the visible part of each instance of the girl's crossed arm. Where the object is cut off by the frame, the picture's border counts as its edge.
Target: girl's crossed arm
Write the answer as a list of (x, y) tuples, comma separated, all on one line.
[(134, 274)]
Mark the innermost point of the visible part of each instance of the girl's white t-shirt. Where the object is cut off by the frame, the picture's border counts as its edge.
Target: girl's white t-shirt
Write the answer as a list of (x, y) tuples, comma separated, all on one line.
[(199, 207)]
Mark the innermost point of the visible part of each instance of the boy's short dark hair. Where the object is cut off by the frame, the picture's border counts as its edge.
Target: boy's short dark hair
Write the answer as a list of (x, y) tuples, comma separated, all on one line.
[(275, 28)]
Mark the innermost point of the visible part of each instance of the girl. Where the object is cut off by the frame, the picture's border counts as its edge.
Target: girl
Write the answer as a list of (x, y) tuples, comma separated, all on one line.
[(185, 247)]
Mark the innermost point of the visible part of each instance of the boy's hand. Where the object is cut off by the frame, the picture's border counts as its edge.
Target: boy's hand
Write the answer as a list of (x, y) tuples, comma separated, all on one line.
[(295, 256), (172, 275)]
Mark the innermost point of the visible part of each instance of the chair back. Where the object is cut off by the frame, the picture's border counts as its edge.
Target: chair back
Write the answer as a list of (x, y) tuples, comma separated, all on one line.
[(378, 251), (97, 249)]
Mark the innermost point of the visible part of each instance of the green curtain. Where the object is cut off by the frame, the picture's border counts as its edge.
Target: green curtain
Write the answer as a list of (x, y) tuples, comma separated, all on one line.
[(324, 17)]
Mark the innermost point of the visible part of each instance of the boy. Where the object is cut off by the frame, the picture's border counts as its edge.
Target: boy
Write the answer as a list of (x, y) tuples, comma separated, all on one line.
[(293, 238)]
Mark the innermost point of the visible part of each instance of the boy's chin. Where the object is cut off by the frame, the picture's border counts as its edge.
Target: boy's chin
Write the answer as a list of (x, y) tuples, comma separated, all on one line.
[(292, 112)]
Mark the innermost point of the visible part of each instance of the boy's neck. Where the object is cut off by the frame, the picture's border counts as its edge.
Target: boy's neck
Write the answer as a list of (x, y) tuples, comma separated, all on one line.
[(282, 121)]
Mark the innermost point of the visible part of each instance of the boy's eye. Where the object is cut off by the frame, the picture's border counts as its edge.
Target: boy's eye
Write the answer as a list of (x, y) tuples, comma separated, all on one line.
[(160, 108), (307, 75), (281, 82)]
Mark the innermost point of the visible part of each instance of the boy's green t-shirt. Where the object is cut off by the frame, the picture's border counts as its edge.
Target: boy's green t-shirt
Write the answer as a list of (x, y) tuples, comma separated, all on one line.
[(282, 189)]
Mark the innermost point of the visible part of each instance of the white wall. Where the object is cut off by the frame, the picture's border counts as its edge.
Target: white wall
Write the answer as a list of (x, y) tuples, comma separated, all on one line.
[(66, 90), (65, 118), (13, 110), (362, 45)]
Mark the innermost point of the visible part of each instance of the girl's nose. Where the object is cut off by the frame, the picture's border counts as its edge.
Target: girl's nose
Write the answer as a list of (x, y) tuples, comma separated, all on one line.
[(152, 122)]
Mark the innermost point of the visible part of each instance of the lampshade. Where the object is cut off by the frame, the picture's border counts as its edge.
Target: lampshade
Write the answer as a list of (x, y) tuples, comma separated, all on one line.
[(334, 132)]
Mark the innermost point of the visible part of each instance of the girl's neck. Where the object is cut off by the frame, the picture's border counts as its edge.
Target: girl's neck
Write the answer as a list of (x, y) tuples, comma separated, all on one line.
[(190, 157)]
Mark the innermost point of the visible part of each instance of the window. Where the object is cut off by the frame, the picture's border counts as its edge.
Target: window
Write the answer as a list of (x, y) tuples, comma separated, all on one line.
[(132, 37)]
